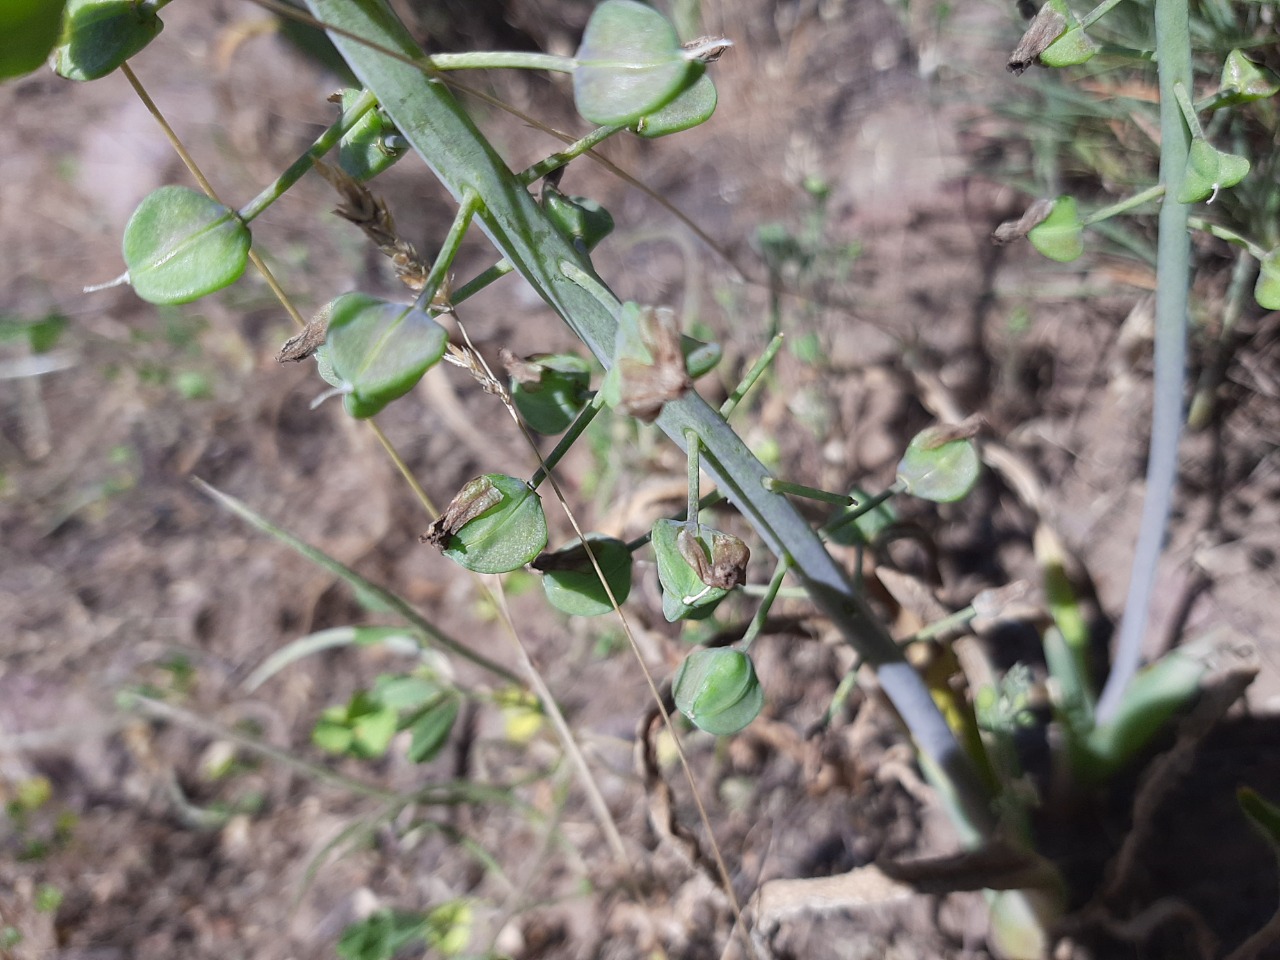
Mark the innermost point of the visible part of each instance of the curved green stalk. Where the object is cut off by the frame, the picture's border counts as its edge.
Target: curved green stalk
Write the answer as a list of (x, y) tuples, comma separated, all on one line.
[(447, 139), (1173, 277)]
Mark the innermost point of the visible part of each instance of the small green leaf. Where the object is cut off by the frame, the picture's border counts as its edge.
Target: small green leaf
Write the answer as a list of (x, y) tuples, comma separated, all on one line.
[(630, 64), (683, 592), (372, 145), (550, 390), (405, 692), (380, 350), (179, 245), (1245, 81), (580, 219), (1209, 170), (381, 935), (362, 728), (1060, 236), (694, 105), (431, 728), (1072, 48), (1267, 289), (938, 468), (571, 583), (99, 35), (506, 530), (718, 690), (30, 29), (700, 358)]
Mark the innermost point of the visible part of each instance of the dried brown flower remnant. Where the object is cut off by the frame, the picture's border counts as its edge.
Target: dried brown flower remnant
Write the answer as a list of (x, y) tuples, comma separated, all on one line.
[(941, 434), (707, 49), (1043, 30), (1012, 230), (525, 370), (645, 387), (303, 344), (727, 567), (475, 498)]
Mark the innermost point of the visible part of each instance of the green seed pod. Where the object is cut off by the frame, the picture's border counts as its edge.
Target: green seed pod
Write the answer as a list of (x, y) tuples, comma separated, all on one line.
[(582, 220), (941, 464), (372, 145), (99, 35), (494, 525), (549, 390), (718, 690)]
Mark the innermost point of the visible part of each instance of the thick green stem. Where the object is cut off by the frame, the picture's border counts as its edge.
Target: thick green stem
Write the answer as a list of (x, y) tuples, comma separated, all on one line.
[(1173, 276), (324, 143), (557, 160), (468, 205), (429, 118)]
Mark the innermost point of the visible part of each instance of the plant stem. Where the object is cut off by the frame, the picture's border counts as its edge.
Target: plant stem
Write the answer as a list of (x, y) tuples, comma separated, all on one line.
[(1173, 272), (557, 160), (1188, 111), (704, 503), (1097, 13), (479, 282), (1227, 234), (499, 60), (447, 138), (366, 588), (757, 370), (467, 207), (1202, 402), (773, 485), (324, 143), (1126, 53), (862, 509), (695, 476), (762, 611), (576, 429), (1125, 205)]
